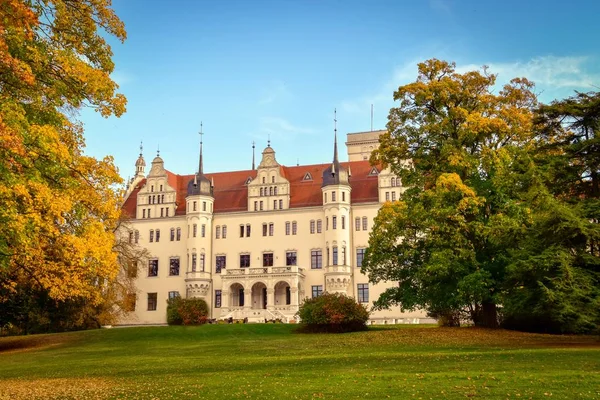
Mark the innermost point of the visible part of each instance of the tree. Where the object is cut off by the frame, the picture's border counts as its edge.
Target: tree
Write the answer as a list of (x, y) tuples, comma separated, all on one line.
[(553, 283), (459, 149), (59, 207)]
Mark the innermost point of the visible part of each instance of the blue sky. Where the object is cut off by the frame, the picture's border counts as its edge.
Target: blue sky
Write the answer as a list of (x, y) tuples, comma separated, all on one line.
[(250, 69)]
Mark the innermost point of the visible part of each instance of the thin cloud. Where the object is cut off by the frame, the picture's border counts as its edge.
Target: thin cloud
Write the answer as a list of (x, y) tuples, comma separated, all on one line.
[(274, 91), (278, 128)]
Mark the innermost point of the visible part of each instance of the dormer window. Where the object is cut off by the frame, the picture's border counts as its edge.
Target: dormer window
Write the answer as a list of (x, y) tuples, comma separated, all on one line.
[(249, 180), (307, 177), (374, 171)]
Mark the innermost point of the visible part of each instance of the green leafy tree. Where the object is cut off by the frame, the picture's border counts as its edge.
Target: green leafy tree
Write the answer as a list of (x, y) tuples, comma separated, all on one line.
[(553, 283), (458, 148)]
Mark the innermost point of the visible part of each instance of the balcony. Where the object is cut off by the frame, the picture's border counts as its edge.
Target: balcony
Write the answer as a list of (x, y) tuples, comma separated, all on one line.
[(197, 275), (265, 271)]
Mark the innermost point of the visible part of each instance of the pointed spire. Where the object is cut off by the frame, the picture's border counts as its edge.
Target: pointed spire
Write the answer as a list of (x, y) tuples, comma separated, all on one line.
[(335, 149), (200, 166), (253, 146)]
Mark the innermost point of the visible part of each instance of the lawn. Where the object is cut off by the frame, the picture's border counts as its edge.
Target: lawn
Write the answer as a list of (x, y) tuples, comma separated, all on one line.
[(271, 362)]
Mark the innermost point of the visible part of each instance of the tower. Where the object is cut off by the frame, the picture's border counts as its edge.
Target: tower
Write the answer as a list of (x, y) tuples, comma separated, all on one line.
[(336, 192), (199, 216)]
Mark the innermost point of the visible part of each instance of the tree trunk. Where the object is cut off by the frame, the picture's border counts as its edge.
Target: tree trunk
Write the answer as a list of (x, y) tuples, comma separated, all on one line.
[(486, 316)]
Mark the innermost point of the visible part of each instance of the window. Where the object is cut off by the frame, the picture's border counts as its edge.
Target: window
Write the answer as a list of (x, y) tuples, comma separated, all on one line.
[(267, 259), (333, 196), (312, 226), (203, 206), (334, 222), (148, 213), (152, 301), (280, 204), (244, 260), (172, 237), (178, 234), (132, 269), (130, 302), (256, 206), (264, 229), (360, 254), (287, 228), (217, 299), (261, 191), (247, 230), (202, 262), (271, 191), (151, 235), (162, 212), (137, 236), (273, 179), (221, 263), (325, 197), (242, 230), (263, 179), (174, 294), (274, 204), (344, 256), (363, 292), (194, 230), (317, 290), (343, 196), (218, 232), (194, 206), (316, 259), (364, 223), (290, 258), (271, 229), (224, 231), (153, 267), (335, 255), (157, 235), (343, 222), (387, 196), (319, 226), (393, 196), (393, 181), (130, 237), (152, 188), (326, 223), (194, 261), (275, 190), (203, 230), (167, 211), (294, 228), (174, 266)]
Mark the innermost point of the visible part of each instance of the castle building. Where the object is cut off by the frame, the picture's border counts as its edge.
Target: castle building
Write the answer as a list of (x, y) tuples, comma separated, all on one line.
[(255, 243)]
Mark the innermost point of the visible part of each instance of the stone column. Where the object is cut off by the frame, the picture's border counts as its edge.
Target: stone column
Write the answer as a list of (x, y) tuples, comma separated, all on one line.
[(294, 297), (270, 299), (224, 302), (247, 299)]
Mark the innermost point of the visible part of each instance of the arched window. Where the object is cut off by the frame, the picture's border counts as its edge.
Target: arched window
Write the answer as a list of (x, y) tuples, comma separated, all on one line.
[(393, 182), (271, 191), (261, 191)]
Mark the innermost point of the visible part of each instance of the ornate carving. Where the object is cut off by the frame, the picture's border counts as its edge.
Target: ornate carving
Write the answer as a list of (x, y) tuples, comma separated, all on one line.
[(198, 289), (337, 284)]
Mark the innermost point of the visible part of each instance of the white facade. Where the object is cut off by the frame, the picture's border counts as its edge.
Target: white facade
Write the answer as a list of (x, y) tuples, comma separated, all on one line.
[(255, 243)]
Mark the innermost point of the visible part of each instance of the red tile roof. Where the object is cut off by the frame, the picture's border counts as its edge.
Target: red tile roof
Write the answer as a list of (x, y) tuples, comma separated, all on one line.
[(231, 192)]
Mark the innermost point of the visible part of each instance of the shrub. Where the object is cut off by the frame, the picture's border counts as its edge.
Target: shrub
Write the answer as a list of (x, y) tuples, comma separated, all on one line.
[(186, 311), (333, 312)]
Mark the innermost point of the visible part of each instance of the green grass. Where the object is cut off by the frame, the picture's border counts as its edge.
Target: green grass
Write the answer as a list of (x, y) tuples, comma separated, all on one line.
[(272, 362)]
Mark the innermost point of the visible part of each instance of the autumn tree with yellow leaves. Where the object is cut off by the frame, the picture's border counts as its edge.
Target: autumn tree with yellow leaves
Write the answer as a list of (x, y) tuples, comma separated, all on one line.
[(58, 207), (492, 227)]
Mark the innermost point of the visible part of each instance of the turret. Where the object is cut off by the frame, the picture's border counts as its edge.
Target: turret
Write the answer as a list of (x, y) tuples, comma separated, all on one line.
[(199, 215), (336, 192)]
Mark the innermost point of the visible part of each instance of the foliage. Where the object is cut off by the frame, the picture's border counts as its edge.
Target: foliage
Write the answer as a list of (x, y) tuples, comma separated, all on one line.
[(554, 280), (59, 207), (396, 361), (500, 207), (332, 312), (182, 311), (446, 241)]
